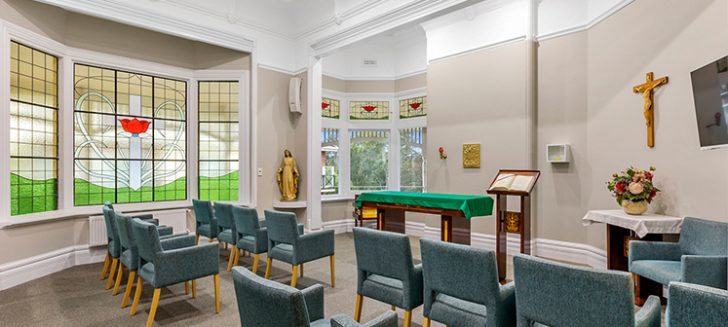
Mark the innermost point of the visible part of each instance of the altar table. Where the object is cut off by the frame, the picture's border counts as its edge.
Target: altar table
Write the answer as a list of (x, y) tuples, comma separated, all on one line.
[(455, 210)]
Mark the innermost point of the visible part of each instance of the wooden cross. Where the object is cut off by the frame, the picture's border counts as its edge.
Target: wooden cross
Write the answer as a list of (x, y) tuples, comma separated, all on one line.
[(647, 90)]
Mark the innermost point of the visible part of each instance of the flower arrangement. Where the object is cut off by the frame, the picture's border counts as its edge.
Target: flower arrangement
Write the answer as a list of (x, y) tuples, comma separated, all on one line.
[(634, 185)]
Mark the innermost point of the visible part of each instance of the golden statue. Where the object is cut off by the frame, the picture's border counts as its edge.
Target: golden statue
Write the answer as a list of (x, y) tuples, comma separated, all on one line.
[(288, 177), (647, 89)]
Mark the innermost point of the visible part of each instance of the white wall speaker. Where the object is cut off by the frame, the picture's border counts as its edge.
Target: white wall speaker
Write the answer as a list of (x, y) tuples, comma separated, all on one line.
[(294, 94)]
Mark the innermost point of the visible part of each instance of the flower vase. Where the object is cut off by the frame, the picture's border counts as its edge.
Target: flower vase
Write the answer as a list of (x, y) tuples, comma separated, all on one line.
[(634, 207)]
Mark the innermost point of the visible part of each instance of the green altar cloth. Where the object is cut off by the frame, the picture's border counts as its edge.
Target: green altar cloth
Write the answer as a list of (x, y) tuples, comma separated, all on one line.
[(470, 205)]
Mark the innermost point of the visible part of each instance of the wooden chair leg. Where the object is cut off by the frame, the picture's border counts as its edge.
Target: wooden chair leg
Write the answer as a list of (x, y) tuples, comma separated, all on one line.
[(119, 275), (127, 292), (194, 288), (230, 260), (107, 263), (187, 287), (209, 240), (426, 322), (255, 263), (197, 239), (237, 256), (301, 270), (268, 264), (114, 263), (407, 318), (153, 310), (333, 272), (394, 307), (294, 279), (137, 295), (217, 293), (357, 310)]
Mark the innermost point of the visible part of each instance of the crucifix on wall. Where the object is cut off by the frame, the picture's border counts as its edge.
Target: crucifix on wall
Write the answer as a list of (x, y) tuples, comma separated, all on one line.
[(647, 89)]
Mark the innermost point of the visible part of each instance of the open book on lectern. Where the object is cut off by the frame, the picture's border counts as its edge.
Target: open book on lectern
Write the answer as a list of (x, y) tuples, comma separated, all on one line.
[(514, 181)]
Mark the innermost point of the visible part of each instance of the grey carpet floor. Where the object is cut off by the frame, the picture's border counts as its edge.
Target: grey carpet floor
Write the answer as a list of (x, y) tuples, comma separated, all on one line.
[(76, 296)]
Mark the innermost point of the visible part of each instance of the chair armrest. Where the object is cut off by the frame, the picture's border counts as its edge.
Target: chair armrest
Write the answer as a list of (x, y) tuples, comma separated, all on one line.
[(387, 319), (177, 242), (647, 250), (164, 230), (178, 265), (299, 228), (314, 297), (705, 270), (315, 245), (649, 314), (696, 305), (150, 220)]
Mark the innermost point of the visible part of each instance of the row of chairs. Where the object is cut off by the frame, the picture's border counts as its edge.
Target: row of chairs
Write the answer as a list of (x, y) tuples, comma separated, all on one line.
[(459, 286), (279, 235), (152, 254)]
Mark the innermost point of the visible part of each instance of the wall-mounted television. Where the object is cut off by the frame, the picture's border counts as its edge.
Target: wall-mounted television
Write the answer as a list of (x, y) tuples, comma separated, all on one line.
[(710, 93)]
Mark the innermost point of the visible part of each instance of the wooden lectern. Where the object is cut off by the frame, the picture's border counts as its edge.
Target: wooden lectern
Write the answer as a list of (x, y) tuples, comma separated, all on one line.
[(518, 183)]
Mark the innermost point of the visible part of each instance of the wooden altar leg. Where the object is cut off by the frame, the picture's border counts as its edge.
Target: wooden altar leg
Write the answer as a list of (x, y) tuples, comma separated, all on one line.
[(460, 230), (615, 248), (525, 225), (391, 220), (446, 229), (644, 287), (500, 235)]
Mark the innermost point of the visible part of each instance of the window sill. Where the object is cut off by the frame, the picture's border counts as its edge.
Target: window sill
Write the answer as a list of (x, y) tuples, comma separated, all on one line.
[(86, 211), (337, 198)]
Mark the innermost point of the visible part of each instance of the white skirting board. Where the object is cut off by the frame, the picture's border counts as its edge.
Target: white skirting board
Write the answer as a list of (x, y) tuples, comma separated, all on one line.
[(25, 270), (558, 250)]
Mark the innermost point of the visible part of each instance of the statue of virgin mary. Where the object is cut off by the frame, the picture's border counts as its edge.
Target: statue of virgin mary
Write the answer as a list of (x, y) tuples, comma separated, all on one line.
[(288, 177)]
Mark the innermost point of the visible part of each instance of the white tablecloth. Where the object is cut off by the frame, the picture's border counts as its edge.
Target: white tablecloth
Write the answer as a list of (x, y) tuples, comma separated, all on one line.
[(641, 225)]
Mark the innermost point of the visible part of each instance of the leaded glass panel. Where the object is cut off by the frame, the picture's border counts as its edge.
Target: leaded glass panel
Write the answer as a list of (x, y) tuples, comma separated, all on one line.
[(368, 110), (413, 107), (330, 108)]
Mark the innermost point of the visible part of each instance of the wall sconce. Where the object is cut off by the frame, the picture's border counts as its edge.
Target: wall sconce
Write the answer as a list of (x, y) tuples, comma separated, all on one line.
[(443, 156)]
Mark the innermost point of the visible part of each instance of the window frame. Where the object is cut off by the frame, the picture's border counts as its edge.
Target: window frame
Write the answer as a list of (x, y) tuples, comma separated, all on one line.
[(394, 124)]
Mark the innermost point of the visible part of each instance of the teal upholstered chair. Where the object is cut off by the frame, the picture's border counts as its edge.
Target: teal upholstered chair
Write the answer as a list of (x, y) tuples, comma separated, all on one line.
[(286, 244), (160, 267), (385, 271), (252, 234), (130, 254), (462, 288), (696, 305), (556, 294), (700, 257), (227, 233), (263, 303), (111, 262), (206, 221)]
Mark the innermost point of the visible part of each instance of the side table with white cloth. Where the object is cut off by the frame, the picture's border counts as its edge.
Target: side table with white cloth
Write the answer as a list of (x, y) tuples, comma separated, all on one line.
[(623, 227)]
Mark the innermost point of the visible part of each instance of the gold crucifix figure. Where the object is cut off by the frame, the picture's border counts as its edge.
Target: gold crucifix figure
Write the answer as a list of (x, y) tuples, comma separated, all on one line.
[(647, 90)]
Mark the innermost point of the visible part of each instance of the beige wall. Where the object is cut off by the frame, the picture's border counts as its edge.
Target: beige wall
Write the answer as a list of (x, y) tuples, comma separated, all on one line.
[(375, 86), (477, 97)]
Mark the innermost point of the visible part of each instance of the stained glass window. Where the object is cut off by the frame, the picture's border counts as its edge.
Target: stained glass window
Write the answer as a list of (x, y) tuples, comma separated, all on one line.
[(330, 108), (412, 159), (329, 161), (33, 130), (368, 110), (413, 107), (130, 137), (219, 140), (369, 159)]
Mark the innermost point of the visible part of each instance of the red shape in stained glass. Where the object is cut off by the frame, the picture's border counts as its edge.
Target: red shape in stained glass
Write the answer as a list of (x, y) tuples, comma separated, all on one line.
[(134, 126), (369, 108), (324, 105), (415, 105)]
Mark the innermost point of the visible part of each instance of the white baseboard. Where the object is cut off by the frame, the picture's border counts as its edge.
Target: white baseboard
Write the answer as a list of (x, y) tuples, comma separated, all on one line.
[(552, 249), (25, 270)]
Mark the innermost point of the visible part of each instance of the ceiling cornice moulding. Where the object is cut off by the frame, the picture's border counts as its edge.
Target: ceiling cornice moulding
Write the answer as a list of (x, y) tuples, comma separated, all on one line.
[(122, 12)]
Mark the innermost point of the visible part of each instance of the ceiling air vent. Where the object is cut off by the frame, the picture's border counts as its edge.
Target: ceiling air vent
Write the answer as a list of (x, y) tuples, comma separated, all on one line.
[(369, 63)]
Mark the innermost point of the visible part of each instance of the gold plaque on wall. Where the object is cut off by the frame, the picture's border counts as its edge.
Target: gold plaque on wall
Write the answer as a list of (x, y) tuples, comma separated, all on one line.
[(471, 155)]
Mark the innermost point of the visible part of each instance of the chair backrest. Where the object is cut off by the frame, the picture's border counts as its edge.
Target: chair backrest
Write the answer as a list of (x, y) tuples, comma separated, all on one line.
[(696, 305), (460, 271), (262, 302), (203, 211), (146, 237), (557, 294), (383, 253), (123, 225), (246, 220), (111, 233), (704, 237), (224, 215), (282, 226)]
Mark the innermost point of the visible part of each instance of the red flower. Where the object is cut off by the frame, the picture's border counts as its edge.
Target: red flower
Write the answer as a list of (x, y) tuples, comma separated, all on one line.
[(649, 175), (653, 193), (369, 108), (134, 126), (620, 187), (324, 105), (415, 105), (441, 149)]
